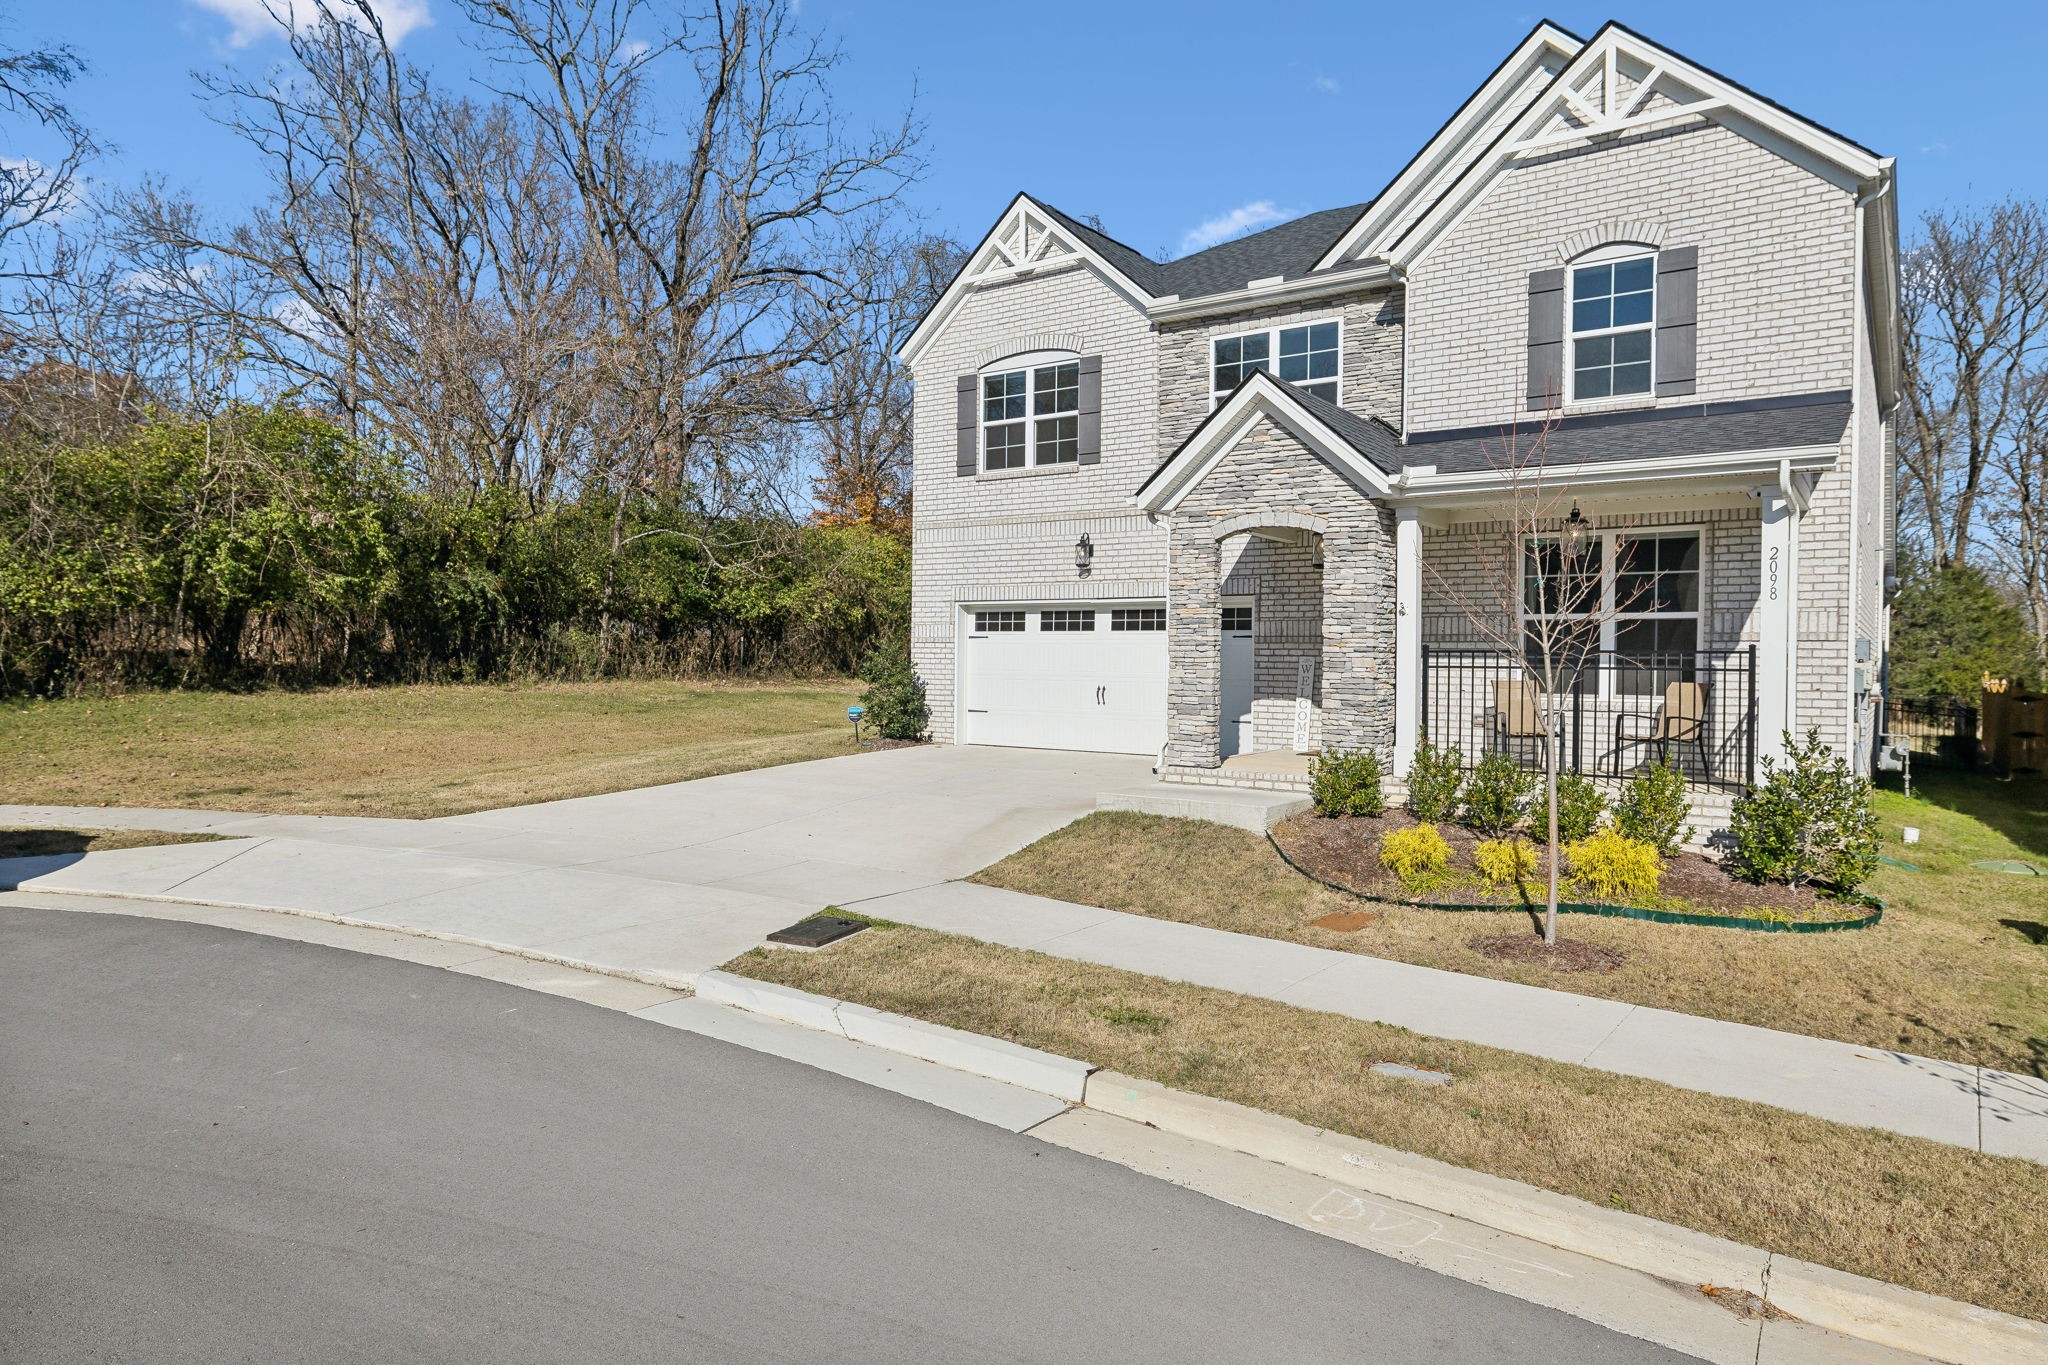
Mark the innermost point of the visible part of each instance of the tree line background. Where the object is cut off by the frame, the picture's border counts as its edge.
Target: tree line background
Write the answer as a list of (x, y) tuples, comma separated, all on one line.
[(585, 368), (582, 369)]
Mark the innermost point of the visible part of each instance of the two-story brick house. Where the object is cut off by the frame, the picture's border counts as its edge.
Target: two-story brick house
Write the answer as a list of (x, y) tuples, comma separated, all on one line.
[(1257, 500)]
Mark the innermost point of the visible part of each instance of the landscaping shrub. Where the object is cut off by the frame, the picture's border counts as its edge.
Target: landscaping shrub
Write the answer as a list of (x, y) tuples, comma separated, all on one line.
[(1496, 794), (1613, 867), (1653, 808), (1346, 782), (1579, 808), (1504, 862), (1417, 855), (894, 701), (1809, 820), (1434, 777)]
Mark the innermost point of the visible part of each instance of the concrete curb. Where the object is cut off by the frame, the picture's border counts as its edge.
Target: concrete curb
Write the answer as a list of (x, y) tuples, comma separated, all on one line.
[(1852, 1305), (1060, 1077)]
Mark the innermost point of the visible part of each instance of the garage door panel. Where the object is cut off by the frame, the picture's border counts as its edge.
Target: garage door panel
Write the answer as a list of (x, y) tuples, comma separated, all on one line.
[(1101, 690)]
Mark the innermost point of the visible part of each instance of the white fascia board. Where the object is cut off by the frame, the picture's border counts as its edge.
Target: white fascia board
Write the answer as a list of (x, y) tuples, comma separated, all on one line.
[(1512, 85), (1175, 309), (963, 284), (1260, 396), (1735, 467), (1837, 159)]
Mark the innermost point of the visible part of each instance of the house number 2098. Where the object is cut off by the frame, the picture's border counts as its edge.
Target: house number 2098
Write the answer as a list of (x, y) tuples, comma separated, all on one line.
[(1773, 570)]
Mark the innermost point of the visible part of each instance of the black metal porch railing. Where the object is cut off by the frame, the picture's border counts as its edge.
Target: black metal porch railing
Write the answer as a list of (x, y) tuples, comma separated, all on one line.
[(1616, 711)]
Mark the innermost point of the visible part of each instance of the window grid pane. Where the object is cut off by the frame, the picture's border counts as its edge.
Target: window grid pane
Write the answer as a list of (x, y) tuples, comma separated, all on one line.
[(1066, 620), (1137, 618), (998, 622), (1621, 294), (1058, 440), (1237, 619), (1006, 446)]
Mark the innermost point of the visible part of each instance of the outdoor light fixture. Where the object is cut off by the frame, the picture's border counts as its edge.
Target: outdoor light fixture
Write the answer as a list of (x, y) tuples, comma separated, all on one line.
[(1575, 528), (1084, 552)]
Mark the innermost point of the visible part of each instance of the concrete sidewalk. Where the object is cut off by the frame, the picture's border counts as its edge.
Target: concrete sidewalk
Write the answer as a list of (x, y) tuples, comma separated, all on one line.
[(664, 883)]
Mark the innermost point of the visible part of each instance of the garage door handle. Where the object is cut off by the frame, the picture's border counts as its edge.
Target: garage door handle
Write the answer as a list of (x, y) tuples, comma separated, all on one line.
[(1102, 696)]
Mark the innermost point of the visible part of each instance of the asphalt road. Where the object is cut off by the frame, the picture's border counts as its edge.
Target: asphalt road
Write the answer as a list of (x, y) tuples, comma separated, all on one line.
[(216, 1146)]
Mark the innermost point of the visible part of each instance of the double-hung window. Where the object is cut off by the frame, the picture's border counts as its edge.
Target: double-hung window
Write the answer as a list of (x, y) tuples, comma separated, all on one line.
[(1635, 595), (1613, 321), (1031, 416), (1306, 357)]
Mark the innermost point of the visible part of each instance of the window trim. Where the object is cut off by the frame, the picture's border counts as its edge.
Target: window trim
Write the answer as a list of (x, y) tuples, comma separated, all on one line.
[(1272, 335), (1612, 253), (1027, 364), (1610, 618)]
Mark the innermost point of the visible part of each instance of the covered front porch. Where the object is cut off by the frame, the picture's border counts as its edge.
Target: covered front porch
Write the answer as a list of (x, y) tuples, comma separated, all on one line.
[(1325, 592)]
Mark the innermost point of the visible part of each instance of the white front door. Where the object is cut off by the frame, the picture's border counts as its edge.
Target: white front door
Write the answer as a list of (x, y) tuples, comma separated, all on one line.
[(1065, 677), (1239, 671)]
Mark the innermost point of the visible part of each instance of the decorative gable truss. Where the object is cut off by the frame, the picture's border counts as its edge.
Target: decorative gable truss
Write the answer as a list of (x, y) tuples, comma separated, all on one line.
[(1022, 243), (1027, 241), (1621, 83)]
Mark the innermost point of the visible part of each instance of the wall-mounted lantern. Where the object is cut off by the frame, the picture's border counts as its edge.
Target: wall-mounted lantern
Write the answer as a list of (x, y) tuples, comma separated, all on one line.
[(1084, 552), (1575, 528)]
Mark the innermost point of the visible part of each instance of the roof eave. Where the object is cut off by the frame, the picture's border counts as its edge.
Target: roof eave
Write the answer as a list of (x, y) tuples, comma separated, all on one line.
[(1369, 275)]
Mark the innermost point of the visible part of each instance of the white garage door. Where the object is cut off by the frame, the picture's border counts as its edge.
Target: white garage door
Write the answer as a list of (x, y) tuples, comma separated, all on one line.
[(1065, 677)]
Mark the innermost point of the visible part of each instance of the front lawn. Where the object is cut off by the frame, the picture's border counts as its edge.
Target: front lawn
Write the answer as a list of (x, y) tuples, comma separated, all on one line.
[(48, 843), (1937, 1218), (1958, 968), (407, 751)]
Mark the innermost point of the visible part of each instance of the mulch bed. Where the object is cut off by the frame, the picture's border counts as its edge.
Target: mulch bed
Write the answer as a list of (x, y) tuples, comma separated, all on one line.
[(1565, 955), (1345, 851), (877, 745)]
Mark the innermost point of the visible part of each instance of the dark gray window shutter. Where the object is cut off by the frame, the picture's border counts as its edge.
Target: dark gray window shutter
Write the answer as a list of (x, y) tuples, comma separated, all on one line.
[(1678, 310), (1090, 425), (1546, 340), (967, 425)]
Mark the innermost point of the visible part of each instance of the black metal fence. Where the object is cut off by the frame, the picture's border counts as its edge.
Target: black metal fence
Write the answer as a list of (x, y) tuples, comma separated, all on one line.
[(1937, 729), (1614, 711)]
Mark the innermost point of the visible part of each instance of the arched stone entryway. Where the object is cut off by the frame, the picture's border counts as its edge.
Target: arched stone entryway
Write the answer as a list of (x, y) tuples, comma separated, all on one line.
[(1339, 614)]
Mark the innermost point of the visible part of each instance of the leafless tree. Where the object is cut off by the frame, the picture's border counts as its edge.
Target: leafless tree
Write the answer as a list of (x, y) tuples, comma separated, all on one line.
[(1976, 325), (861, 395), (35, 191), (1537, 592)]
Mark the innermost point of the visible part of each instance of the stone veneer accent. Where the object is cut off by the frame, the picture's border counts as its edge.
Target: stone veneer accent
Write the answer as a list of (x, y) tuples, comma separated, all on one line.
[(1270, 471)]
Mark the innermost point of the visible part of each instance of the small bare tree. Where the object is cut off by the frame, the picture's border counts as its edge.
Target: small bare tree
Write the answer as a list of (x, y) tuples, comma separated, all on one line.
[(1540, 594)]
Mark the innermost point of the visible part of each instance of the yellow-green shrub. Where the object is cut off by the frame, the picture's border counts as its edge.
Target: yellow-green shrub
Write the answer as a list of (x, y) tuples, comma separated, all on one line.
[(1417, 855), (1614, 867), (1504, 862)]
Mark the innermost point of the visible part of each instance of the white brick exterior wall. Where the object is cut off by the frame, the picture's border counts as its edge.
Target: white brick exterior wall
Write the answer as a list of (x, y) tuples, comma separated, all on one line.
[(1776, 272), (1009, 537)]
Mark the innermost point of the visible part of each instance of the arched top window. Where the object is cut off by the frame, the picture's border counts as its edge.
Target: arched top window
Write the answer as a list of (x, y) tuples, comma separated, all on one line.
[(1030, 410), (1611, 321)]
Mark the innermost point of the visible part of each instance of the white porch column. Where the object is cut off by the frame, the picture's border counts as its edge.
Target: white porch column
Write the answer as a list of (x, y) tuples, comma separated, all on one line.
[(1407, 636), (1778, 621)]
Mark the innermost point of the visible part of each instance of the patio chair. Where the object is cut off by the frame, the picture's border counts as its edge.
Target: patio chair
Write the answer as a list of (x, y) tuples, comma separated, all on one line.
[(1517, 713), (1681, 720)]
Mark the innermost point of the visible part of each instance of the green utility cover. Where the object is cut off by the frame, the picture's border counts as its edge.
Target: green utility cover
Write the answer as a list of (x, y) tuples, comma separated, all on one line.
[(2012, 865)]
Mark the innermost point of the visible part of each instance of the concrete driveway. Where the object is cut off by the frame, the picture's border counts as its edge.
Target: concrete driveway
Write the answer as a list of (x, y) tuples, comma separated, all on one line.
[(662, 882)]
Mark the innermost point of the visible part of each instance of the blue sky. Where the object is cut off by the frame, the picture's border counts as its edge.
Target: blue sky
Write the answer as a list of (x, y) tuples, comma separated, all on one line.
[(1172, 121)]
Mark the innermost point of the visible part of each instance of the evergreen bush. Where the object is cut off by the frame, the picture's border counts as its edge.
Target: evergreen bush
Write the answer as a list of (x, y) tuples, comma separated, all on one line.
[(894, 703), (1434, 777), (1613, 867), (1653, 808), (1579, 808), (1497, 795), (1417, 855), (1346, 782), (1809, 820)]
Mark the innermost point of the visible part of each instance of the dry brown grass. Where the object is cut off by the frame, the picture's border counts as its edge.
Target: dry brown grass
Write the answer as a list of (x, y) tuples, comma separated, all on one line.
[(1942, 975), (407, 751), (1913, 1212), (25, 842)]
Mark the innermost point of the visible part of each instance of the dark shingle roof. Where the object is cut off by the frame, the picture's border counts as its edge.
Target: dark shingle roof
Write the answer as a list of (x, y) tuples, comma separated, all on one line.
[(1813, 419), (1369, 436), (1289, 250)]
